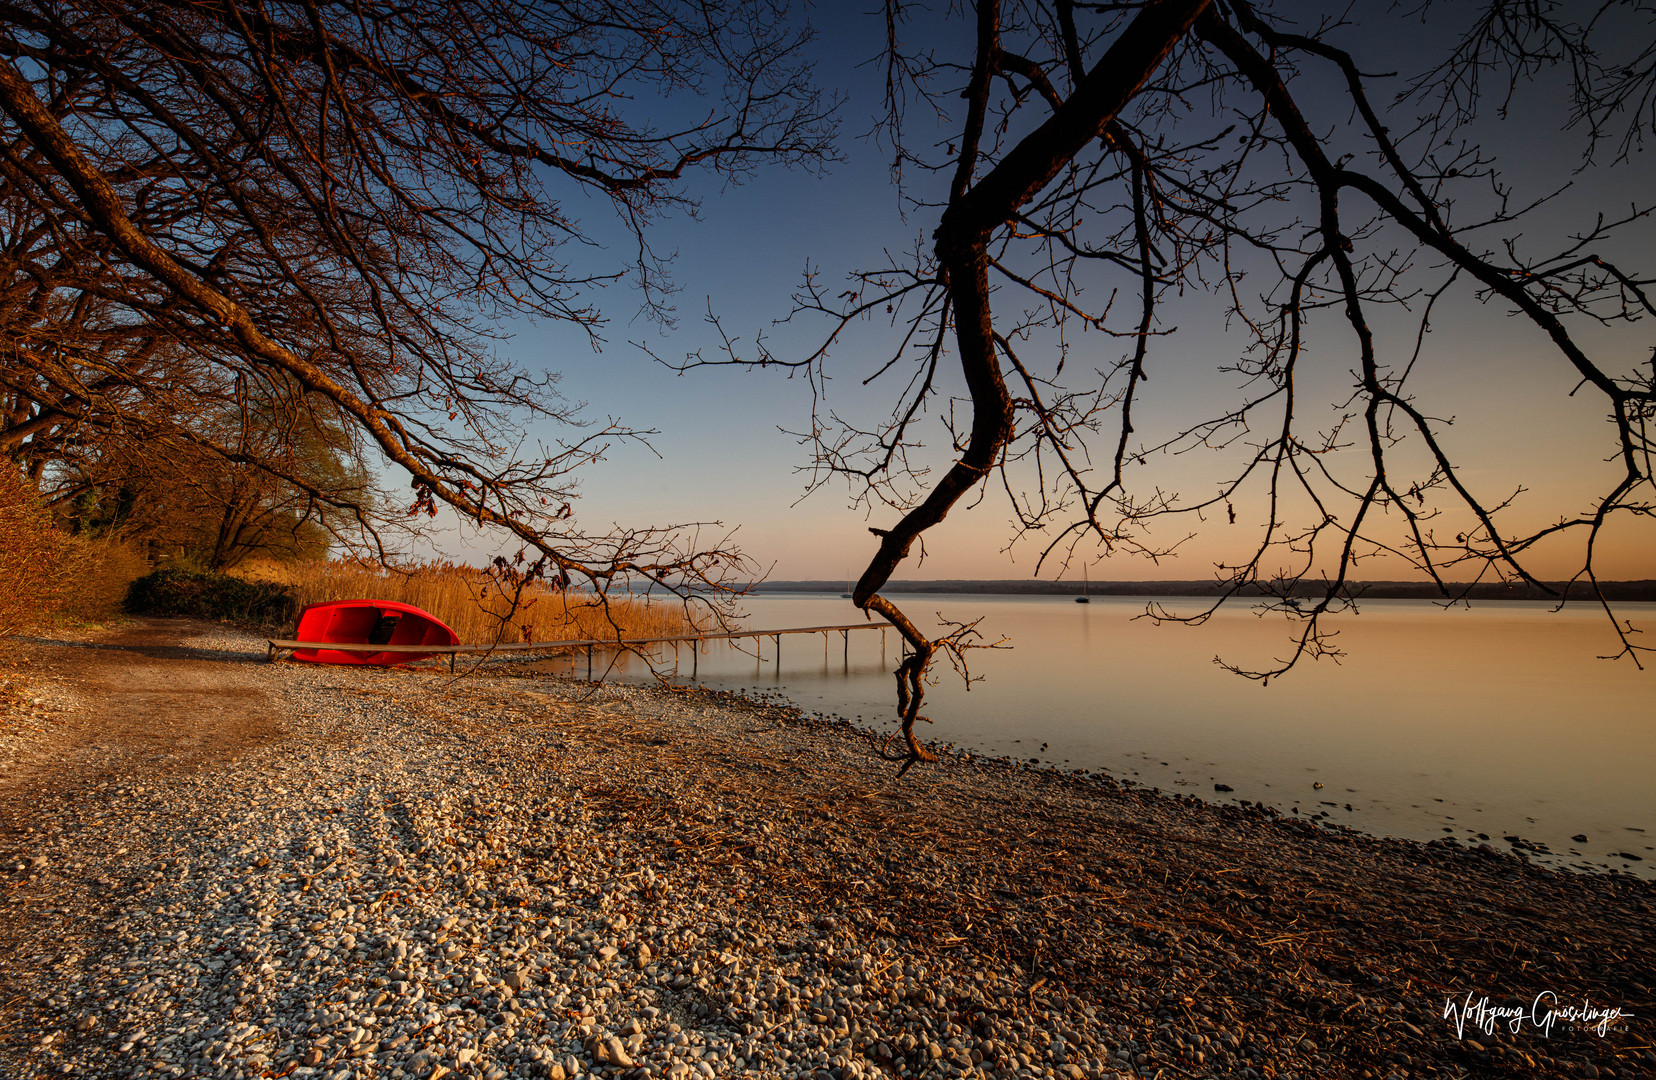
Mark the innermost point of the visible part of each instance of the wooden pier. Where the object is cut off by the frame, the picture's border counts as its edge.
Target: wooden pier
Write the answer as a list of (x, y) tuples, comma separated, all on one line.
[(278, 647)]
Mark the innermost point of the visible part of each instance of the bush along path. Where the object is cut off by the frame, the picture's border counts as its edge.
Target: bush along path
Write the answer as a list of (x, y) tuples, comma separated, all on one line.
[(212, 596), (391, 874)]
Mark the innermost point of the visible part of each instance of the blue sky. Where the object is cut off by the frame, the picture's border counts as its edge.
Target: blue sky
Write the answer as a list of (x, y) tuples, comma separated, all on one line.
[(723, 458)]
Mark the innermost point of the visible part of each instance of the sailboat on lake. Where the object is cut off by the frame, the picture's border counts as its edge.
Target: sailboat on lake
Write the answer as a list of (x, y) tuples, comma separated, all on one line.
[(1083, 598)]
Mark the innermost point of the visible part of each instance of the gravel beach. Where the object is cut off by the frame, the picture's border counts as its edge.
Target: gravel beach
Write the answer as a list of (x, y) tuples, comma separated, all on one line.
[(212, 866)]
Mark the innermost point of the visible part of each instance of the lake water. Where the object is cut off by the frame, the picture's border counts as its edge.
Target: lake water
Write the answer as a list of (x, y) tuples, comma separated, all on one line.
[(1499, 720)]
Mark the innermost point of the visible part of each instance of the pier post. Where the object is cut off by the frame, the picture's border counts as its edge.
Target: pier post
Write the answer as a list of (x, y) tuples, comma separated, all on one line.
[(589, 663)]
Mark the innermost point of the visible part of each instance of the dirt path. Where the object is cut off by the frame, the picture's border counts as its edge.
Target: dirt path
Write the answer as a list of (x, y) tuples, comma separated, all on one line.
[(126, 707), (140, 704)]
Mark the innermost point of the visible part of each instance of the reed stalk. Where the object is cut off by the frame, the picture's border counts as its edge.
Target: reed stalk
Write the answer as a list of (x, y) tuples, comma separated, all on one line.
[(473, 604)]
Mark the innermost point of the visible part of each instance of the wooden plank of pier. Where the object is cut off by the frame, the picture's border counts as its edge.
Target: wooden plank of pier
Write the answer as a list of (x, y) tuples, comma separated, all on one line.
[(279, 646)]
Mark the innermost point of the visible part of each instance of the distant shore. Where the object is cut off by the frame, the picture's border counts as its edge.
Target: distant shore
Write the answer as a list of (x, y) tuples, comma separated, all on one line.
[(1620, 591)]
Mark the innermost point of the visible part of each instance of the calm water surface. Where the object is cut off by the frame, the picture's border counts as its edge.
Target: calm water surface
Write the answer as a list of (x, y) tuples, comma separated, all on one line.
[(1498, 720)]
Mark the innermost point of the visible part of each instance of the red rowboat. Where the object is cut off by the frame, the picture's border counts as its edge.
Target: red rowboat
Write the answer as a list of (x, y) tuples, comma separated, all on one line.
[(368, 622)]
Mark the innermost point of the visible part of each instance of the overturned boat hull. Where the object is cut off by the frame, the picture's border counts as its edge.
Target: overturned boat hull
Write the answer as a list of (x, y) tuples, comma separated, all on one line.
[(368, 622)]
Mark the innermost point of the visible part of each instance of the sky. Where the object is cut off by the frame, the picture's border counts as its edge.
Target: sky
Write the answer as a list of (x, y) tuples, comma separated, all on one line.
[(722, 452)]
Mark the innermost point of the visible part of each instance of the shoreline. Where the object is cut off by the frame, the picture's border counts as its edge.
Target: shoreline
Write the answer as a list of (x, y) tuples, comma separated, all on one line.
[(1518, 739), (728, 887)]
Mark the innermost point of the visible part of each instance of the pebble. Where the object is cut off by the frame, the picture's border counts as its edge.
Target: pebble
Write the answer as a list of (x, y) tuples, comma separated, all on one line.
[(435, 881)]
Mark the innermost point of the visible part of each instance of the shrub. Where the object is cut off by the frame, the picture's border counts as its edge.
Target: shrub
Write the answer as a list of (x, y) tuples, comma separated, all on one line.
[(38, 562), (103, 572), (212, 596)]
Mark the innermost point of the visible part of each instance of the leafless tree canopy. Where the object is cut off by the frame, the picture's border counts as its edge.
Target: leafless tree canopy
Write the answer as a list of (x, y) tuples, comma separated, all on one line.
[(321, 210), (1098, 163)]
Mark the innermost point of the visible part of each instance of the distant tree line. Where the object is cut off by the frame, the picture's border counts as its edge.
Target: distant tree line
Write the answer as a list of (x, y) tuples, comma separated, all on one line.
[(1551, 591)]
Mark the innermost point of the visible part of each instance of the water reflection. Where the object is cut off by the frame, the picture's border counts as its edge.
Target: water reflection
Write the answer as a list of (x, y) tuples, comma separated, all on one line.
[(1494, 722)]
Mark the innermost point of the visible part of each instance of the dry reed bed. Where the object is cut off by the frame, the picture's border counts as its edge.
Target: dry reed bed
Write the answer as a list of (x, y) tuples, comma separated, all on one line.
[(475, 606)]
